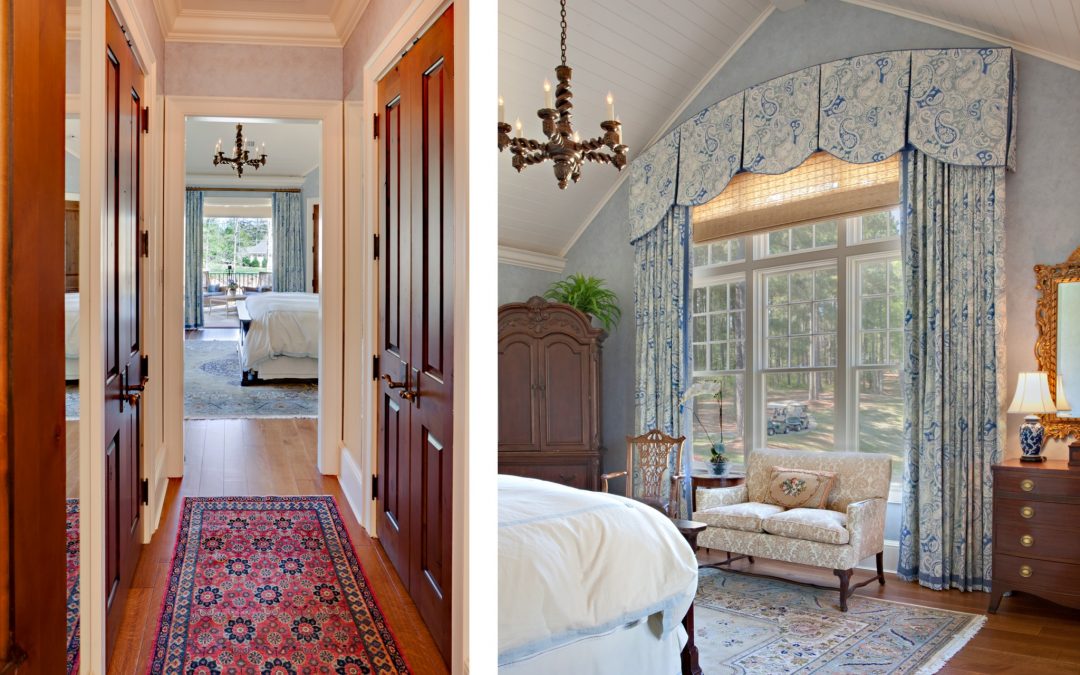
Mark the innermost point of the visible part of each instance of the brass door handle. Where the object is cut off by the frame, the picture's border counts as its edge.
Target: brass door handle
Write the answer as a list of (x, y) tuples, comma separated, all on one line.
[(390, 382), (409, 394), (133, 397)]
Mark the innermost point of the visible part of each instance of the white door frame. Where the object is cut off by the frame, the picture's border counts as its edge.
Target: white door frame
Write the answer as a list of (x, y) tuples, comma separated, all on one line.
[(360, 456), (91, 105), (177, 110)]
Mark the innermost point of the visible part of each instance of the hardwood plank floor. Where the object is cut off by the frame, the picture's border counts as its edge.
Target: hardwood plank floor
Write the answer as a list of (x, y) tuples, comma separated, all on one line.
[(1027, 635), (259, 457)]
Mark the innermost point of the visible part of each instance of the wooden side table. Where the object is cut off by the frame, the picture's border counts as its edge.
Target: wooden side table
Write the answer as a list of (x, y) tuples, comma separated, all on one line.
[(690, 529), (711, 480)]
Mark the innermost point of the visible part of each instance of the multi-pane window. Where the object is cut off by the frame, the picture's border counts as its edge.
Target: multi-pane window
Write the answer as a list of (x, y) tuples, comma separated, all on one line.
[(800, 332)]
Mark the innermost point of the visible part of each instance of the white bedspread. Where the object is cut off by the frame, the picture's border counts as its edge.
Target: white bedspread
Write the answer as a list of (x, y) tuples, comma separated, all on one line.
[(282, 324), (574, 564), (71, 325)]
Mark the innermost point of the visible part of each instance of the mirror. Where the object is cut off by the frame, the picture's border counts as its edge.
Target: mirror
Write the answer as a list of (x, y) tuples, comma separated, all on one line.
[(1057, 349)]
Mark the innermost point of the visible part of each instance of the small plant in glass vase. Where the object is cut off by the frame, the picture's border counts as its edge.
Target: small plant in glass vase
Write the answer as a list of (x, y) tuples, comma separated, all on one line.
[(718, 460)]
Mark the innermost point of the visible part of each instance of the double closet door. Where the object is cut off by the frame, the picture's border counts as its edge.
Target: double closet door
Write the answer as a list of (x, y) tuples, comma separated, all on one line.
[(415, 127)]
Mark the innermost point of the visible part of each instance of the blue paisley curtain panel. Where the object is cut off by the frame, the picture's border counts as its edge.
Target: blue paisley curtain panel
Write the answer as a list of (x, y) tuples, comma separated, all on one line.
[(780, 122), (953, 377), (864, 106), (290, 258), (711, 150), (193, 259), (652, 185)]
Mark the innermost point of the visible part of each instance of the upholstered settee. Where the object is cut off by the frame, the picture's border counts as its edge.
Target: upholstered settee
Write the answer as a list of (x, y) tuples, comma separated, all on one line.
[(850, 528)]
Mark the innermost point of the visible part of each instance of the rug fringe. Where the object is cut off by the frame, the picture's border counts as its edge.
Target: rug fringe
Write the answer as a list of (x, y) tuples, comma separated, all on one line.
[(954, 645)]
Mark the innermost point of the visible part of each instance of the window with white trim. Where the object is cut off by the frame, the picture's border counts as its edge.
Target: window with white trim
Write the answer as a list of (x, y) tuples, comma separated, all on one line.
[(796, 340)]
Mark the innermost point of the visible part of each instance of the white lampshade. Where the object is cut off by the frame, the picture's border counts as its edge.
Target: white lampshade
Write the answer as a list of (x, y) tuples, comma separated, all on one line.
[(1032, 395), (1063, 404)]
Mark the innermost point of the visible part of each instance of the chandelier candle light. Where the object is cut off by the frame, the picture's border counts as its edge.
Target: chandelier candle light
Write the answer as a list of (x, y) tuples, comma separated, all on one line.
[(241, 156), (563, 146)]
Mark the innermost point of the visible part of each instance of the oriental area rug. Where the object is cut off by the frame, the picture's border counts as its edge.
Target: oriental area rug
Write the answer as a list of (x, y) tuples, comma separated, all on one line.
[(212, 387), (746, 624), (269, 585), (72, 586)]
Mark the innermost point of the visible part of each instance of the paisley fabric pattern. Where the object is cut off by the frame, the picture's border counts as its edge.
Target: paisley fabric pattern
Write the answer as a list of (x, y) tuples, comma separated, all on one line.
[(746, 624), (711, 151), (953, 247), (193, 259), (781, 122), (747, 516), (660, 291), (290, 251), (959, 107), (652, 185), (864, 106), (828, 527), (72, 558), (270, 585), (710, 498)]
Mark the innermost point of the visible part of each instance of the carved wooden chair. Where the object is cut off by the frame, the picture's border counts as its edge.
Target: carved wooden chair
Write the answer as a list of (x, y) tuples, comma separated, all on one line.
[(651, 476)]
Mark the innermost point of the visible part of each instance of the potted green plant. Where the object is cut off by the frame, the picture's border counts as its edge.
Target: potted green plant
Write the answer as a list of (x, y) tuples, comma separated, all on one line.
[(709, 386), (588, 295)]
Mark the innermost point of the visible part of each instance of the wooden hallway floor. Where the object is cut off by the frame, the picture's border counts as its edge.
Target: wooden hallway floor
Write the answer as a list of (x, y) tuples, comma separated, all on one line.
[(258, 457)]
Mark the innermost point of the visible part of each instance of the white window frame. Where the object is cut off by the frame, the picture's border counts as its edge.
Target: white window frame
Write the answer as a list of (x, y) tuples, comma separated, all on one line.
[(844, 255)]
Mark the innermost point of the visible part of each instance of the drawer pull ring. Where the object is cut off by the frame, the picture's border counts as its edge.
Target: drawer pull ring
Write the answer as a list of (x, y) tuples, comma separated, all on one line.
[(1027, 485), (1025, 571), (1027, 511), (1027, 540)]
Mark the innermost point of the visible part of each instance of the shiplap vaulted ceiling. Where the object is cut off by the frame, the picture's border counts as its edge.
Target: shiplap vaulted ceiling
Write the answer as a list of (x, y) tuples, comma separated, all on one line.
[(653, 55)]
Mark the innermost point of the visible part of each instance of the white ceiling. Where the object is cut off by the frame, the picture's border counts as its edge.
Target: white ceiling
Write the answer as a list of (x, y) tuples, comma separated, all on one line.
[(315, 23), (654, 56), (293, 150)]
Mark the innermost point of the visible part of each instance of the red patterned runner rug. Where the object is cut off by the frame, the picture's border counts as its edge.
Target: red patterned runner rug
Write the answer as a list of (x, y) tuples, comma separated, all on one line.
[(72, 586), (269, 585)]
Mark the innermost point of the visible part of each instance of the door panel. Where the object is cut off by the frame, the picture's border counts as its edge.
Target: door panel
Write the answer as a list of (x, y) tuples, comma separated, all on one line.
[(564, 364), (417, 321), (517, 395), (123, 362)]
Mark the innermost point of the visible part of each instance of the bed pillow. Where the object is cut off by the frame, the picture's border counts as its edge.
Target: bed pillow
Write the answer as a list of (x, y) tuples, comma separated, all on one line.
[(799, 488)]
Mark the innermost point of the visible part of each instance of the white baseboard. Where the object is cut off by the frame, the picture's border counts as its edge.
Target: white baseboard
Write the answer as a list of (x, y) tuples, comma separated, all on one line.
[(891, 559), (352, 483)]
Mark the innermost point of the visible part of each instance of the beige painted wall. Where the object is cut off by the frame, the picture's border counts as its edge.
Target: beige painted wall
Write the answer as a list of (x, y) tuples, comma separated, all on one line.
[(253, 71), (379, 17)]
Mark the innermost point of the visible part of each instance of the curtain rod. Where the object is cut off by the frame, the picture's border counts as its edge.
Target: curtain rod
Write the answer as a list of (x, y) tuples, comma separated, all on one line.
[(233, 189)]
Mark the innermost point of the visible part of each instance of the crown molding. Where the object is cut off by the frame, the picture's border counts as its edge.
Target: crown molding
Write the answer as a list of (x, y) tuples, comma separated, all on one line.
[(623, 175), (971, 32), (531, 259), (297, 30), (212, 180), (346, 17)]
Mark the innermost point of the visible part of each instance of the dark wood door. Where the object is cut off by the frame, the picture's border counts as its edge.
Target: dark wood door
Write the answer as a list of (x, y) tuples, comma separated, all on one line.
[(123, 364), (417, 313)]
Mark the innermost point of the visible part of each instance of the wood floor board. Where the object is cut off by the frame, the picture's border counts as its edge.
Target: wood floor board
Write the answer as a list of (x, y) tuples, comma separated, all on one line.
[(259, 457)]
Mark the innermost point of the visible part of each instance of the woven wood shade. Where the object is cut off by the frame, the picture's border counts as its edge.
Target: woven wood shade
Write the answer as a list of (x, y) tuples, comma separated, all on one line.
[(819, 188)]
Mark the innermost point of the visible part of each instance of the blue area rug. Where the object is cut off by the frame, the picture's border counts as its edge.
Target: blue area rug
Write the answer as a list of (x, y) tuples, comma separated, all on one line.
[(746, 624), (212, 387)]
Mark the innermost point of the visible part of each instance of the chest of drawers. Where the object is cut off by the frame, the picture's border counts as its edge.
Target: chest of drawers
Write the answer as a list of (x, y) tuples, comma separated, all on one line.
[(1036, 531)]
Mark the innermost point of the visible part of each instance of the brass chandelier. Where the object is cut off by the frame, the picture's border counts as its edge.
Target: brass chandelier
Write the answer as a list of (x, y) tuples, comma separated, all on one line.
[(241, 156), (563, 146)]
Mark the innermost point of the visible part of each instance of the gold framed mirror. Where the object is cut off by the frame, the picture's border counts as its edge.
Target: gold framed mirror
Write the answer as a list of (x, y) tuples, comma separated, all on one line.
[(1057, 349)]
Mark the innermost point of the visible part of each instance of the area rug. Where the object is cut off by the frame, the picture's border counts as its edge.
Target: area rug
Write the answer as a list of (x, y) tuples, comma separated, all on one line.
[(269, 585), (72, 586), (212, 387), (71, 402), (747, 624)]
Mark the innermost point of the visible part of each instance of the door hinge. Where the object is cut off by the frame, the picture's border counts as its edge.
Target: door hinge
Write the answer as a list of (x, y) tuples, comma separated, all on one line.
[(375, 367), (375, 125), (374, 486), (146, 120), (145, 491), (144, 364), (144, 244), (376, 242)]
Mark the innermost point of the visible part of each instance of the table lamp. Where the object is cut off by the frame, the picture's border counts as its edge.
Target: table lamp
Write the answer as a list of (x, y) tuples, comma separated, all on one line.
[(1061, 402), (1032, 398)]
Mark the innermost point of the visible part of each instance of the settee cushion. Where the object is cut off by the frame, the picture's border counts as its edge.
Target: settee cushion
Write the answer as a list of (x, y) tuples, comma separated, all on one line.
[(828, 527), (746, 517), (799, 488)]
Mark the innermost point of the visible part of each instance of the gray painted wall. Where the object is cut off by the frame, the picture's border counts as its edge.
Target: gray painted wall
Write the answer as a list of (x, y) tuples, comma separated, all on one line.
[(518, 284), (1042, 200)]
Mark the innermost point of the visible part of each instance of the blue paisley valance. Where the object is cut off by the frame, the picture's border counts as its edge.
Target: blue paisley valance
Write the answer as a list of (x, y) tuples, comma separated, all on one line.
[(954, 105)]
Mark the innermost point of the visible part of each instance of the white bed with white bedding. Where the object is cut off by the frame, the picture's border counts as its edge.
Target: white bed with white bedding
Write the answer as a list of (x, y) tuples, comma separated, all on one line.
[(589, 582), (282, 339), (71, 336)]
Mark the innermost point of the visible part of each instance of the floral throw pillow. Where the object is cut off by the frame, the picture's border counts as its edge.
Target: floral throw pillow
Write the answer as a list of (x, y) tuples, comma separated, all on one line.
[(800, 488)]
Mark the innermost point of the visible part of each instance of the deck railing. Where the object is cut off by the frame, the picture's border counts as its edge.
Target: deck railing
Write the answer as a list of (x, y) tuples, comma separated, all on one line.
[(242, 279)]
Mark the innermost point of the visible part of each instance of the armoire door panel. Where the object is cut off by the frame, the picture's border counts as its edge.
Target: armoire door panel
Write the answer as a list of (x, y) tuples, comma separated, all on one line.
[(564, 393), (519, 402)]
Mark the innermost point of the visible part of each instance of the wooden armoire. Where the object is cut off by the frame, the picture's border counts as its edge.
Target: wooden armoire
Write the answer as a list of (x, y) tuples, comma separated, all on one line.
[(549, 393)]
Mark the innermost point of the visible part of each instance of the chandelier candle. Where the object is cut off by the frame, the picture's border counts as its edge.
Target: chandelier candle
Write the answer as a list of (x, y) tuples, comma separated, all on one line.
[(561, 144)]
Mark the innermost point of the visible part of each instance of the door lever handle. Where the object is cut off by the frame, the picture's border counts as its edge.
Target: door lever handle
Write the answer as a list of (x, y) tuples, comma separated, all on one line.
[(391, 383), (409, 394)]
